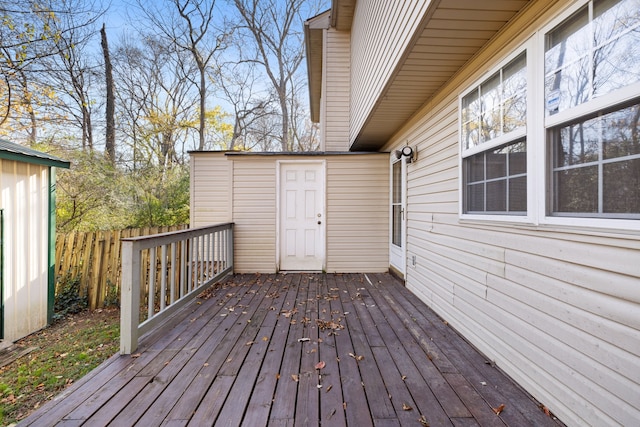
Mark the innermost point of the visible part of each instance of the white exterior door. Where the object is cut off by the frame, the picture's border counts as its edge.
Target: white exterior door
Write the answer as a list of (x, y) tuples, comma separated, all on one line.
[(397, 237), (302, 216)]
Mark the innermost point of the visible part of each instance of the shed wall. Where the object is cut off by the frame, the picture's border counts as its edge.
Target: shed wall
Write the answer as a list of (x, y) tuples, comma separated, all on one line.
[(24, 199), (211, 185), (555, 307), (357, 212)]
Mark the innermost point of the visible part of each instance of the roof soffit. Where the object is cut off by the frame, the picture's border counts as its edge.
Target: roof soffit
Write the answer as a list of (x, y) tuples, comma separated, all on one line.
[(450, 34)]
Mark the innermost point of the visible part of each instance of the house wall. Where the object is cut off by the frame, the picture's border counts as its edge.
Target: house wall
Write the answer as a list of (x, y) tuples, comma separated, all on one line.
[(24, 198), (357, 217), (381, 31), (555, 307), (336, 94)]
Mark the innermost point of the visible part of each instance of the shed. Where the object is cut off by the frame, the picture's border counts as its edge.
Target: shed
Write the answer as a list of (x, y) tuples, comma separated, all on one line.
[(27, 239)]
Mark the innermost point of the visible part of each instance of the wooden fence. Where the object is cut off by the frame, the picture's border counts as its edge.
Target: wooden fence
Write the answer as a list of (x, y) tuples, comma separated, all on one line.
[(95, 257)]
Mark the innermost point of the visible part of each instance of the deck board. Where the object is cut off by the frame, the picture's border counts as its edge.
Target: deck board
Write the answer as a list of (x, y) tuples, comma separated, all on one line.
[(248, 355)]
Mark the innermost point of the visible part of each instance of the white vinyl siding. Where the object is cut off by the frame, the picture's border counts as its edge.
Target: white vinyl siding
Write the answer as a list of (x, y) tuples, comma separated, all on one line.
[(24, 197), (336, 98), (254, 213), (358, 213), (211, 177), (554, 306), (381, 32)]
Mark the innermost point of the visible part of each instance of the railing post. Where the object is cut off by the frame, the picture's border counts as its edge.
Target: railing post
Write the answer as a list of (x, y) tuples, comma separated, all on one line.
[(129, 298)]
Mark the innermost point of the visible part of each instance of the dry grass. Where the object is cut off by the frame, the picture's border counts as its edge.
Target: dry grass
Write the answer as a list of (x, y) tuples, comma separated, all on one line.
[(64, 352)]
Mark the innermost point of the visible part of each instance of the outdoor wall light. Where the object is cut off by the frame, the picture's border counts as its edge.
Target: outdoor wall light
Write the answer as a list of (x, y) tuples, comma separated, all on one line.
[(408, 153)]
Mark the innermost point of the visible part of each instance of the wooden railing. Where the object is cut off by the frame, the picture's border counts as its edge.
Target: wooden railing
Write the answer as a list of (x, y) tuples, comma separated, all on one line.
[(189, 261)]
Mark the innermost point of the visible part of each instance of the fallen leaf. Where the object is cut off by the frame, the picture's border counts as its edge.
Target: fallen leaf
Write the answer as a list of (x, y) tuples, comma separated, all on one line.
[(499, 409), (250, 342), (304, 339), (277, 376), (295, 377), (265, 338), (406, 407), (135, 356), (404, 377), (329, 387), (423, 421), (320, 365)]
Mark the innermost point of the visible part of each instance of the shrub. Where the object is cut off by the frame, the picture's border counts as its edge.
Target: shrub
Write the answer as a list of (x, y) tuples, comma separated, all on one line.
[(70, 298)]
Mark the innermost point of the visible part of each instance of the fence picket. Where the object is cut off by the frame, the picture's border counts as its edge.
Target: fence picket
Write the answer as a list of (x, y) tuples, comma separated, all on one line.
[(96, 256)]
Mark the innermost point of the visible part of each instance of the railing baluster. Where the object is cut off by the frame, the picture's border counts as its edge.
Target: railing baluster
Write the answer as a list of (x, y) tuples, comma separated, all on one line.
[(183, 266), (163, 278), (174, 270), (152, 282)]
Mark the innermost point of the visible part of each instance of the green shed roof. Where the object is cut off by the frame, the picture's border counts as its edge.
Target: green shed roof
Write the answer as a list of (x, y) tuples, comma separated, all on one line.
[(11, 151)]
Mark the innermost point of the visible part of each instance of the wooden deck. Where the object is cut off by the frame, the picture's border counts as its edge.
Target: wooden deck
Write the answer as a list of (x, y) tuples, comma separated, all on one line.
[(303, 350)]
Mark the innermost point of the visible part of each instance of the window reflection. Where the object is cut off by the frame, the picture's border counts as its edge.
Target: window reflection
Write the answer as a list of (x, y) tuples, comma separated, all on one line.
[(597, 165), (583, 61), (497, 106)]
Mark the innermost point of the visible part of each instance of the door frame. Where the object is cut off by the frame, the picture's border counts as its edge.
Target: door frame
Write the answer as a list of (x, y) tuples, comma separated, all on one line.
[(398, 255), (323, 191)]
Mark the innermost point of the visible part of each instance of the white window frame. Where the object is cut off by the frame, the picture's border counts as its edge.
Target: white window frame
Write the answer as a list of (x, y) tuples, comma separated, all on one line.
[(543, 184), (513, 136), (536, 134)]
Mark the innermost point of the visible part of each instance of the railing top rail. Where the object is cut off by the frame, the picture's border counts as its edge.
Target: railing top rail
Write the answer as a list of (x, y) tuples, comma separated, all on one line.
[(173, 236)]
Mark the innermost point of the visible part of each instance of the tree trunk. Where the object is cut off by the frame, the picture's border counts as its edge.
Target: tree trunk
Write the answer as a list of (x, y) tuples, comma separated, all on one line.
[(110, 136)]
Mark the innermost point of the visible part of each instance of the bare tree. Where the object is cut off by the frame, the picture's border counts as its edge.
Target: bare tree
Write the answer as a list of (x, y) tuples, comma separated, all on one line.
[(189, 25), (71, 71), (240, 84), (28, 38), (271, 36), (156, 104)]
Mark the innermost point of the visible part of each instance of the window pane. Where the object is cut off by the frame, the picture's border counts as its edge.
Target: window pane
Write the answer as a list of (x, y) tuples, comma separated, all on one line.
[(621, 133), (497, 196), (475, 197), (491, 115), (397, 182), (621, 187), (475, 168), (490, 171), (518, 158), (576, 190), (518, 194), (567, 81), (578, 144), (497, 163), (514, 86), (612, 18), (396, 237), (471, 120), (568, 86)]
